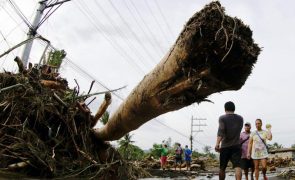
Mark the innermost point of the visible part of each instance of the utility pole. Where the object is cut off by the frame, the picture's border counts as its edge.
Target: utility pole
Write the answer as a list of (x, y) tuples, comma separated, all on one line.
[(36, 24), (198, 130)]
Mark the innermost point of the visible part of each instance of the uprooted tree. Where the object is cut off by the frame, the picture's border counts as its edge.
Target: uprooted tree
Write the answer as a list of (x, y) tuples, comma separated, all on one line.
[(213, 53), (46, 128)]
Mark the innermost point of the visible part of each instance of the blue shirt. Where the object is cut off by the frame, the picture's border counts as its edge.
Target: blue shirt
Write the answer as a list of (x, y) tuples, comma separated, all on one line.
[(187, 153)]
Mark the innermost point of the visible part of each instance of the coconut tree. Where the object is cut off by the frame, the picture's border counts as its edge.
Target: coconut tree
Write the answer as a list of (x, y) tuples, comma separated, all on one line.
[(124, 144), (213, 53)]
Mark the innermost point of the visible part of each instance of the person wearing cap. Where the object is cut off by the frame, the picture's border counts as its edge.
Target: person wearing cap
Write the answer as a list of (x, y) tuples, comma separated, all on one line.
[(228, 140), (246, 163)]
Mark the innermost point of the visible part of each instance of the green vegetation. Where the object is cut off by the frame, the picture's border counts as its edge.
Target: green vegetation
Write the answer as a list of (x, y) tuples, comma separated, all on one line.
[(274, 146), (56, 57), (125, 146), (105, 118)]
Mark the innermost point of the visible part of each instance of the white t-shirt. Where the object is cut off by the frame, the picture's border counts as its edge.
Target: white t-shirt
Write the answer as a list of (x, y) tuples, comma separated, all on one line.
[(259, 150)]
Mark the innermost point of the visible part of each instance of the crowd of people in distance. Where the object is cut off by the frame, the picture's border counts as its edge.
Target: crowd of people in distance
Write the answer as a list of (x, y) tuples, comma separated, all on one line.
[(178, 158)]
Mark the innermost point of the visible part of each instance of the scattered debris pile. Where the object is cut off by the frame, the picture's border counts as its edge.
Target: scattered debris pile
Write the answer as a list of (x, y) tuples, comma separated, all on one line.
[(288, 174), (46, 130), (279, 162)]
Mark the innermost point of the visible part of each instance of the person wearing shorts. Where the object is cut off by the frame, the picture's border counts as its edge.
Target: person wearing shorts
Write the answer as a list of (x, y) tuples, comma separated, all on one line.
[(164, 153), (228, 140), (178, 156), (187, 157), (246, 164)]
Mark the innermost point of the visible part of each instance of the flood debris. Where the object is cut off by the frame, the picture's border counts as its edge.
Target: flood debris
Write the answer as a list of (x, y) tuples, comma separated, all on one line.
[(46, 130)]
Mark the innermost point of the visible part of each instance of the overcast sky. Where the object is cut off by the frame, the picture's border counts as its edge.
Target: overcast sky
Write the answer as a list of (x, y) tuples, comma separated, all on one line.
[(118, 42)]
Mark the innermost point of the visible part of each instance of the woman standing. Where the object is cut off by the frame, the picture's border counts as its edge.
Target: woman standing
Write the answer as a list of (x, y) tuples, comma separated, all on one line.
[(257, 148)]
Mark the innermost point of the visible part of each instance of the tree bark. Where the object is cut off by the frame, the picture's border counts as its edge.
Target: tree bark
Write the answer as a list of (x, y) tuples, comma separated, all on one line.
[(213, 53)]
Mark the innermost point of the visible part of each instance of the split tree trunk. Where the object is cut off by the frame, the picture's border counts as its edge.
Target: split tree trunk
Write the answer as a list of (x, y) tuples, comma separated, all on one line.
[(213, 53)]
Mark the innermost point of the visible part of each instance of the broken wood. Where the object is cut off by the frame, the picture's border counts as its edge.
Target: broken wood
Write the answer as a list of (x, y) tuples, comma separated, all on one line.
[(103, 107), (52, 84), (213, 53)]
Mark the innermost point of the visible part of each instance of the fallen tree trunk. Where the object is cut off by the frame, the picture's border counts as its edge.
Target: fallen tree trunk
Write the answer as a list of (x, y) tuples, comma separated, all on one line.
[(213, 53)]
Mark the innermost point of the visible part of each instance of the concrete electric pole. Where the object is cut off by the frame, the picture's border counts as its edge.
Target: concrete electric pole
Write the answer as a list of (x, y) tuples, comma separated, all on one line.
[(35, 25), (192, 128)]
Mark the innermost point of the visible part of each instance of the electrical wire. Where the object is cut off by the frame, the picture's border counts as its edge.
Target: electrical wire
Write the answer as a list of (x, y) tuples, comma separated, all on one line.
[(98, 26), (157, 22), (47, 15), (20, 14), (164, 18), (113, 24), (153, 44), (132, 32), (147, 27)]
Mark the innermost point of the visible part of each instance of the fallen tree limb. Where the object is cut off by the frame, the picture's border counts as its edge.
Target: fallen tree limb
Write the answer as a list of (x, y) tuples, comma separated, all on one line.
[(103, 107), (11, 87), (213, 53), (98, 93)]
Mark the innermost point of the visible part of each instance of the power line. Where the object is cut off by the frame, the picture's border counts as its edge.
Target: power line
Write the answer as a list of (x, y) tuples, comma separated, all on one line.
[(13, 18), (154, 45), (157, 22), (6, 41), (147, 27), (128, 42), (10, 32), (20, 14), (88, 14), (133, 33), (178, 132), (49, 13), (81, 70), (164, 18)]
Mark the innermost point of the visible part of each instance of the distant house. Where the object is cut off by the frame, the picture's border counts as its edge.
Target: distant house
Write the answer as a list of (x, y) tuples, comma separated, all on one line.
[(282, 153)]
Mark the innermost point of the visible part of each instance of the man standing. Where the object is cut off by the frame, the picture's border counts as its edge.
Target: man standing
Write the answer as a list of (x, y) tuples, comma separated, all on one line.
[(178, 156), (188, 157), (228, 140), (246, 163)]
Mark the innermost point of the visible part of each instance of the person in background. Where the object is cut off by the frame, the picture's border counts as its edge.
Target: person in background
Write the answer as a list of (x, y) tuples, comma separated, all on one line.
[(178, 156), (228, 140), (257, 148), (187, 157), (246, 163), (164, 153)]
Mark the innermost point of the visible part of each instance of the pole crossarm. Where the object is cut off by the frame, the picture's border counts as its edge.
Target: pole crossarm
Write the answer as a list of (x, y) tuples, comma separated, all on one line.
[(196, 131), (57, 3)]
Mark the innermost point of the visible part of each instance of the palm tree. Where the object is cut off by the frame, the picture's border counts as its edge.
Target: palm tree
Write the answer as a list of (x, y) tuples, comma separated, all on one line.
[(207, 149), (275, 146), (125, 143)]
